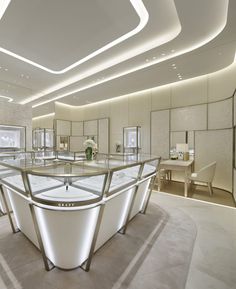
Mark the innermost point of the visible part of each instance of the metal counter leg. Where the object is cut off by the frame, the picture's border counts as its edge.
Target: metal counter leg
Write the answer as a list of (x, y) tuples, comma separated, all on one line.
[(87, 264), (47, 263), (14, 230), (145, 205), (123, 230)]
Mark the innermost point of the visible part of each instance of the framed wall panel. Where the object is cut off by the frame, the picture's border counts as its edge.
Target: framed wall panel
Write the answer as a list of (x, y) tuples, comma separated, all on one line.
[(77, 143), (189, 118), (103, 135), (63, 127), (177, 137), (160, 144), (77, 128), (90, 127), (235, 185), (191, 140), (216, 145), (220, 114)]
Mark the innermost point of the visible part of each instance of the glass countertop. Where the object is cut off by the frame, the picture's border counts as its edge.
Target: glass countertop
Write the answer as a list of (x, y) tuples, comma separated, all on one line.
[(24, 164)]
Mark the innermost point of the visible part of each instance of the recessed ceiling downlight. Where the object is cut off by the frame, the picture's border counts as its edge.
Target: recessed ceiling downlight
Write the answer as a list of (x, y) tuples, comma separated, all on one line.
[(141, 12)]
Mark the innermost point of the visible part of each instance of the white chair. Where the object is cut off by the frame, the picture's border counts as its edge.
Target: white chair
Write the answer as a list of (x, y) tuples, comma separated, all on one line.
[(205, 175)]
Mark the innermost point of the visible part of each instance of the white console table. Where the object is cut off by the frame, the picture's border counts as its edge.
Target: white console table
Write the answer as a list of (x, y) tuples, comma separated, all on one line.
[(177, 165)]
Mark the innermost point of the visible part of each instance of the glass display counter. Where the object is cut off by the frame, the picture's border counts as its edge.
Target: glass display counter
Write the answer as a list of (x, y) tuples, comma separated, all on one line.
[(132, 139), (45, 155), (70, 156), (86, 202), (43, 139)]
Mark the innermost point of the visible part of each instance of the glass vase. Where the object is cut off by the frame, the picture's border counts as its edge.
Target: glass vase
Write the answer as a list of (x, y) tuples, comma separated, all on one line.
[(89, 153)]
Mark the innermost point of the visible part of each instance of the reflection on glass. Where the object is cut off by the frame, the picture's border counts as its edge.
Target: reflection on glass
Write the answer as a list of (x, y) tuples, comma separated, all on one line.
[(43, 138), (183, 137), (132, 139), (12, 138)]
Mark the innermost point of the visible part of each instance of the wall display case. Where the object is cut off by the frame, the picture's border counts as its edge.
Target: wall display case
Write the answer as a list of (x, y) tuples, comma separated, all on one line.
[(132, 139), (43, 139), (70, 135), (178, 138), (63, 143), (12, 138), (86, 202)]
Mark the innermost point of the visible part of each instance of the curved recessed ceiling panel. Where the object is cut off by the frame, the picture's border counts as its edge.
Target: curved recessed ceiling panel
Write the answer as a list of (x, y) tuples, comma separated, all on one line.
[(194, 34), (44, 37), (162, 27), (175, 29)]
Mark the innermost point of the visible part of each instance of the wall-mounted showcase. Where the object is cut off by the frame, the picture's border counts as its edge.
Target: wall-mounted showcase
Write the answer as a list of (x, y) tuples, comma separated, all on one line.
[(12, 138), (132, 139), (70, 135), (206, 128), (43, 139)]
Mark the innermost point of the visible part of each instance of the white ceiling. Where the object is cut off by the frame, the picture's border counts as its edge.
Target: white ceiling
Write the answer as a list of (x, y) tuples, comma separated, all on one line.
[(78, 52)]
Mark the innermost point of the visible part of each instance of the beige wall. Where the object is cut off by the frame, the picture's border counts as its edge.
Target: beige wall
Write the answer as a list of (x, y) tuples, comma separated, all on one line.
[(17, 114), (134, 109), (43, 122)]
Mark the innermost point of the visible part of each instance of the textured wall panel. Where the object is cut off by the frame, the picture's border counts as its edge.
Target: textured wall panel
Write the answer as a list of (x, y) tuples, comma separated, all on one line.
[(77, 128), (160, 133), (90, 127), (63, 127), (103, 135), (189, 118), (220, 114), (76, 143), (216, 145)]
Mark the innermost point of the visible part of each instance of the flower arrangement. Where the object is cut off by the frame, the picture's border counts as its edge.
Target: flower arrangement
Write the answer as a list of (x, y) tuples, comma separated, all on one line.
[(89, 143), (90, 148)]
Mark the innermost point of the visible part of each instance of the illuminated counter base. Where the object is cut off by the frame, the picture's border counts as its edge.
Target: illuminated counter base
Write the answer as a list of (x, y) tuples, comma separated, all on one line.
[(68, 234)]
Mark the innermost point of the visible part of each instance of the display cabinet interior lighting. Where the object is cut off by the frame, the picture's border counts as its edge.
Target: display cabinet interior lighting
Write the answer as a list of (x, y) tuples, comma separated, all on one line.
[(9, 99), (3, 7), (140, 10)]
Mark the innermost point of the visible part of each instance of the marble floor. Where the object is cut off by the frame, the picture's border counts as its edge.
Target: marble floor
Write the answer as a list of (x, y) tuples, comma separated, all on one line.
[(179, 243)]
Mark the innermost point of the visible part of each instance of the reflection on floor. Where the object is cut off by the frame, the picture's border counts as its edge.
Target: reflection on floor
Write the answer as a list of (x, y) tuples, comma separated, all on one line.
[(199, 192), (180, 243)]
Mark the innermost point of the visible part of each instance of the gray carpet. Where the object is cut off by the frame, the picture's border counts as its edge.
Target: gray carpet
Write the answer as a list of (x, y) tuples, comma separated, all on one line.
[(155, 253)]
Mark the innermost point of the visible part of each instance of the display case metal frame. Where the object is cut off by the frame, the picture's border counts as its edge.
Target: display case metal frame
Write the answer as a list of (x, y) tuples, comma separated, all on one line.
[(14, 149), (101, 202), (134, 149), (44, 132)]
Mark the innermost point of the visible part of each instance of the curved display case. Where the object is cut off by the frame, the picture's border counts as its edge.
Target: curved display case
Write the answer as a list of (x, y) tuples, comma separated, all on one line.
[(69, 210)]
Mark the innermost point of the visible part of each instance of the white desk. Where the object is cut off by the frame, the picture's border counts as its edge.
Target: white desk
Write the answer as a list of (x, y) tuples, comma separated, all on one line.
[(177, 165)]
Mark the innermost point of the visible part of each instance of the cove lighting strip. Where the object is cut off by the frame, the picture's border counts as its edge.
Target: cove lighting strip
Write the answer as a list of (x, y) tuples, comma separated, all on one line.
[(204, 40), (137, 50), (43, 116), (6, 97), (150, 89), (140, 10), (3, 7)]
